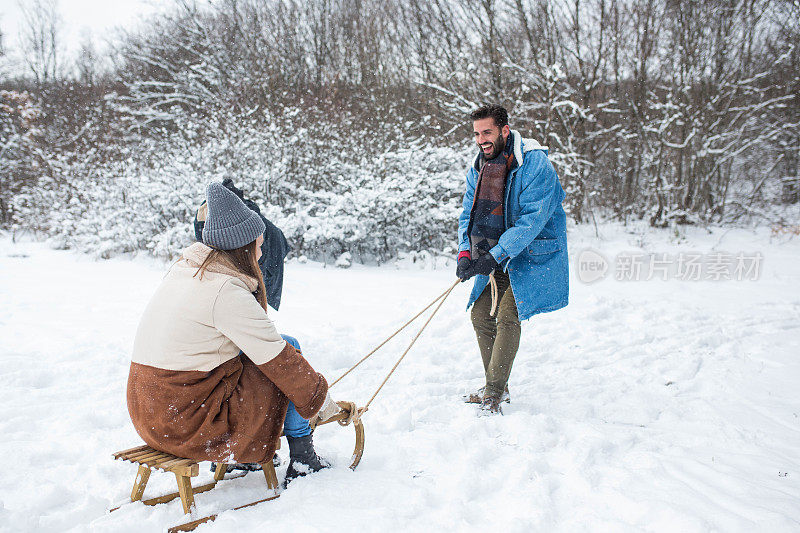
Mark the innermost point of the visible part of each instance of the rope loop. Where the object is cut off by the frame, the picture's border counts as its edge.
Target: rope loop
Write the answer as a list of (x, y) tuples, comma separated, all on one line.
[(353, 413), (493, 285)]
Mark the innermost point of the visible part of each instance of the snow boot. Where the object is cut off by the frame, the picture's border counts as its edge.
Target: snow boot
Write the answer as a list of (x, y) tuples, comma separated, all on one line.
[(303, 459), (477, 397), (490, 405)]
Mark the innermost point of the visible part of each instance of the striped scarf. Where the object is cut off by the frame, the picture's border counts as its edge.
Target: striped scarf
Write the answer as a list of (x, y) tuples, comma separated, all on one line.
[(486, 222)]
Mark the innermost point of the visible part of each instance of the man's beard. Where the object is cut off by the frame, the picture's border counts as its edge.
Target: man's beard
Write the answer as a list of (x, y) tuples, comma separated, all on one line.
[(498, 145)]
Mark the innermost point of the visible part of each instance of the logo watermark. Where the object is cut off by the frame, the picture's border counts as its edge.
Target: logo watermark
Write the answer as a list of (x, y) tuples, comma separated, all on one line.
[(592, 266)]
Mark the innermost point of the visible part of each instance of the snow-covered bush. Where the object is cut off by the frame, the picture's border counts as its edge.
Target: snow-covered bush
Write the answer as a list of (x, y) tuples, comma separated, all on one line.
[(328, 203)]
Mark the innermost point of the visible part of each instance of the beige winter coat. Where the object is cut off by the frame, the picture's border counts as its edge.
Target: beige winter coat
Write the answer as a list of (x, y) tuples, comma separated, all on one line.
[(190, 393)]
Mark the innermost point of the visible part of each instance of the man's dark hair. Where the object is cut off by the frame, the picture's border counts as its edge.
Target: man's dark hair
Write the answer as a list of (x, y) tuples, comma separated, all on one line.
[(498, 113)]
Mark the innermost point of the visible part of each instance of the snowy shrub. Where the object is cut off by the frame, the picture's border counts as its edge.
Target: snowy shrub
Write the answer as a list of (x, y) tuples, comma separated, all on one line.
[(328, 203), (344, 261)]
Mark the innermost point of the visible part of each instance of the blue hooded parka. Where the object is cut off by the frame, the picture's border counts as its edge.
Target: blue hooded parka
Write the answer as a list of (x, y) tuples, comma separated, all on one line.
[(533, 248)]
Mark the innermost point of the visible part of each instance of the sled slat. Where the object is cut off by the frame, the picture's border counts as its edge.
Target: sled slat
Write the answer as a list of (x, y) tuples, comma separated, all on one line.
[(153, 460), (175, 461), (137, 454), (125, 453)]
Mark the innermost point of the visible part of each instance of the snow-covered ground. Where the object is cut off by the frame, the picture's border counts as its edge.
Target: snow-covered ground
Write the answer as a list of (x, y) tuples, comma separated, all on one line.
[(643, 406)]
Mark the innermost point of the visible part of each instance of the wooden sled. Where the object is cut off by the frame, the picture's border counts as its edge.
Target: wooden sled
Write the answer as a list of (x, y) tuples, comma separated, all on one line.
[(184, 469)]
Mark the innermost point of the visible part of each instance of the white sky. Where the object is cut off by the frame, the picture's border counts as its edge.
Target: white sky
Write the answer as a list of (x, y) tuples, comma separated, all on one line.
[(96, 19)]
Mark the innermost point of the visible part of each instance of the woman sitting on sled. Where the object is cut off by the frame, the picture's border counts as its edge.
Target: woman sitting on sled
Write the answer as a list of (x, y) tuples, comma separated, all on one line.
[(211, 379)]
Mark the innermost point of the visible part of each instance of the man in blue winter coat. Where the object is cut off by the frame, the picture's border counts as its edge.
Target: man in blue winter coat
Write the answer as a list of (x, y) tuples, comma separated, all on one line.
[(513, 241)]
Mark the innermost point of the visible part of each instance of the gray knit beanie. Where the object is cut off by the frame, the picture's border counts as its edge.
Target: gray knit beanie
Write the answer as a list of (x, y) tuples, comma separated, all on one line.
[(229, 223)]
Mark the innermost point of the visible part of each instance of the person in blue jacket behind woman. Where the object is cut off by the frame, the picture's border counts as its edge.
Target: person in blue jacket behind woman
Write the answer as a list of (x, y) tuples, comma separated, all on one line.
[(274, 250)]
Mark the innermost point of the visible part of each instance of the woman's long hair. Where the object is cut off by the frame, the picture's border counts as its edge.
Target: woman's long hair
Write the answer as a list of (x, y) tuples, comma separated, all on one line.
[(244, 259)]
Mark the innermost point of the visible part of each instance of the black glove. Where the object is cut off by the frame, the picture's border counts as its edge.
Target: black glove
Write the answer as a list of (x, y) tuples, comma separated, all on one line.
[(464, 262), (483, 265)]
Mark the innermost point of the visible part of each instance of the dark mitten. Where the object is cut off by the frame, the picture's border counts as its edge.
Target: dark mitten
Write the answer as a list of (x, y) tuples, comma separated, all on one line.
[(464, 262), (483, 265)]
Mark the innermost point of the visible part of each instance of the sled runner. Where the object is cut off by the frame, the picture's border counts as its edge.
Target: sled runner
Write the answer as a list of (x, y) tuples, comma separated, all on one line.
[(184, 469)]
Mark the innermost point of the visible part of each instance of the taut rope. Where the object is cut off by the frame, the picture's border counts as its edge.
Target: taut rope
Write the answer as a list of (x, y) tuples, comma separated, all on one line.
[(441, 298), (404, 326)]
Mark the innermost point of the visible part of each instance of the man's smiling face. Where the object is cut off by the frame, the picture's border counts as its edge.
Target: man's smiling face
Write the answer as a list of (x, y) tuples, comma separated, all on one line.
[(490, 137)]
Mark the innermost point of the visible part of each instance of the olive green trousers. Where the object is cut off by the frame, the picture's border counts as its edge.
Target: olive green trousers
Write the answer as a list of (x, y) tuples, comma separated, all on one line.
[(498, 336)]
